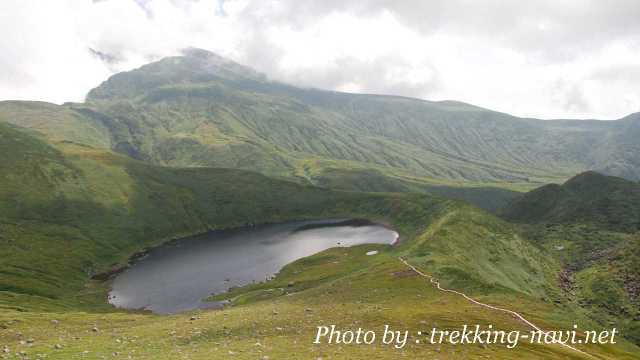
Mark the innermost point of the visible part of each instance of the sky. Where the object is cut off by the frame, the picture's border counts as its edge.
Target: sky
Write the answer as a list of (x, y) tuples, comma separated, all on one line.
[(544, 58)]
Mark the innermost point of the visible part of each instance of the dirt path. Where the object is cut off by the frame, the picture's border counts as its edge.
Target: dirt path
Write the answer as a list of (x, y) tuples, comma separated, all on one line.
[(435, 282)]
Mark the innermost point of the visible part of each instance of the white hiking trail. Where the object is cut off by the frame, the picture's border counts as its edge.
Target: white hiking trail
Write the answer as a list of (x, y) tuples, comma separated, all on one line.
[(515, 314)]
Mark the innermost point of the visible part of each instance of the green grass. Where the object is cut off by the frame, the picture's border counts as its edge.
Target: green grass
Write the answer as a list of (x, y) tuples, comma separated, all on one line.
[(606, 202), (366, 291), (603, 269), (69, 211), (590, 224)]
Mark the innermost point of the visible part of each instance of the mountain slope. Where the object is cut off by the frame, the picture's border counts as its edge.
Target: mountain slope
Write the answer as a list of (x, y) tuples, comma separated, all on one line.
[(202, 110), (592, 225), (609, 202), (445, 140)]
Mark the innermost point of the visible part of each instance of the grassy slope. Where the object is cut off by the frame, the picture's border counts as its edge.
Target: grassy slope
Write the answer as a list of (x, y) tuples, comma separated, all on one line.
[(601, 272), (591, 224), (69, 211), (490, 197), (605, 201), (339, 286)]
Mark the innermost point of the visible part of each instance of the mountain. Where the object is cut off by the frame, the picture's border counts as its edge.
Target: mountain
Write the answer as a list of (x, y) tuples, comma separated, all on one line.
[(200, 109), (591, 224), (84, 187), (606, 201)]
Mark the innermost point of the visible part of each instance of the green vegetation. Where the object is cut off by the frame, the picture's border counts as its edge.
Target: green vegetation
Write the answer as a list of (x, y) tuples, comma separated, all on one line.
[(339, 286), (67, 214), (202, 110), (591, 224), (605, 201), (162, 152), (73, 211)]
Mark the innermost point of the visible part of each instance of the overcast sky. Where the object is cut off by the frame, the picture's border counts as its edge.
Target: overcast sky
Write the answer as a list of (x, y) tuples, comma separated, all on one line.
[(543, 58)]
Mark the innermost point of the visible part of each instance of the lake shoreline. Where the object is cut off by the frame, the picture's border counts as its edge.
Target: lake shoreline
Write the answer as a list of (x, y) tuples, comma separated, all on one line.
[(116, 269), (156, 279)]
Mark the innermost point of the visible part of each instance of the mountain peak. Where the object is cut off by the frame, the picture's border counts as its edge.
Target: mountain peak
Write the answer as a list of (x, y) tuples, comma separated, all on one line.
[(586, 177), (194, 66), (590, 182), (198, 53)]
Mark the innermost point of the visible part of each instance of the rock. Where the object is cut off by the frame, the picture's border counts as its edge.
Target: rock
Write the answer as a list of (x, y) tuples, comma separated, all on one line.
[(291, 284), (95, 329), (6, 350), (57, 346), (308, 310), (279, 329), (193, 318), (275, 312), (374, 252), (30, 341), (265, 357), (55, 322), (22, 342)]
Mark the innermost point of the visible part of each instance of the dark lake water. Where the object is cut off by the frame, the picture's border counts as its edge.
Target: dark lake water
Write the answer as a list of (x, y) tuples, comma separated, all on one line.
[(178, 276)]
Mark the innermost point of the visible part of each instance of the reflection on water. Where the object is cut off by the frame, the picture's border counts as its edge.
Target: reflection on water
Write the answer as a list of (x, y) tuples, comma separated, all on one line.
[(177, 277)]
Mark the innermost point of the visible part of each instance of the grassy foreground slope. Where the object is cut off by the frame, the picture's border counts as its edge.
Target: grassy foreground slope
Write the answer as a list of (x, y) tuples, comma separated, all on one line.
[(69, 211), (341, 287)]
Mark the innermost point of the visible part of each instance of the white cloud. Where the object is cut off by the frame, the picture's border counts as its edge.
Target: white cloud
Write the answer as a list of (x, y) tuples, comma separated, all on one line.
[(549, 59), (41, 55)]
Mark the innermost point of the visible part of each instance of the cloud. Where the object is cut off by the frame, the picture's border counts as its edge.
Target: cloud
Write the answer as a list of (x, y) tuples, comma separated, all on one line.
[(41, 55), (549, 58)]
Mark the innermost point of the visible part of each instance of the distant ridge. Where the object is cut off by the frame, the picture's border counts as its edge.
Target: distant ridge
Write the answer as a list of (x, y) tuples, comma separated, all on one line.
[(590, 197)]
